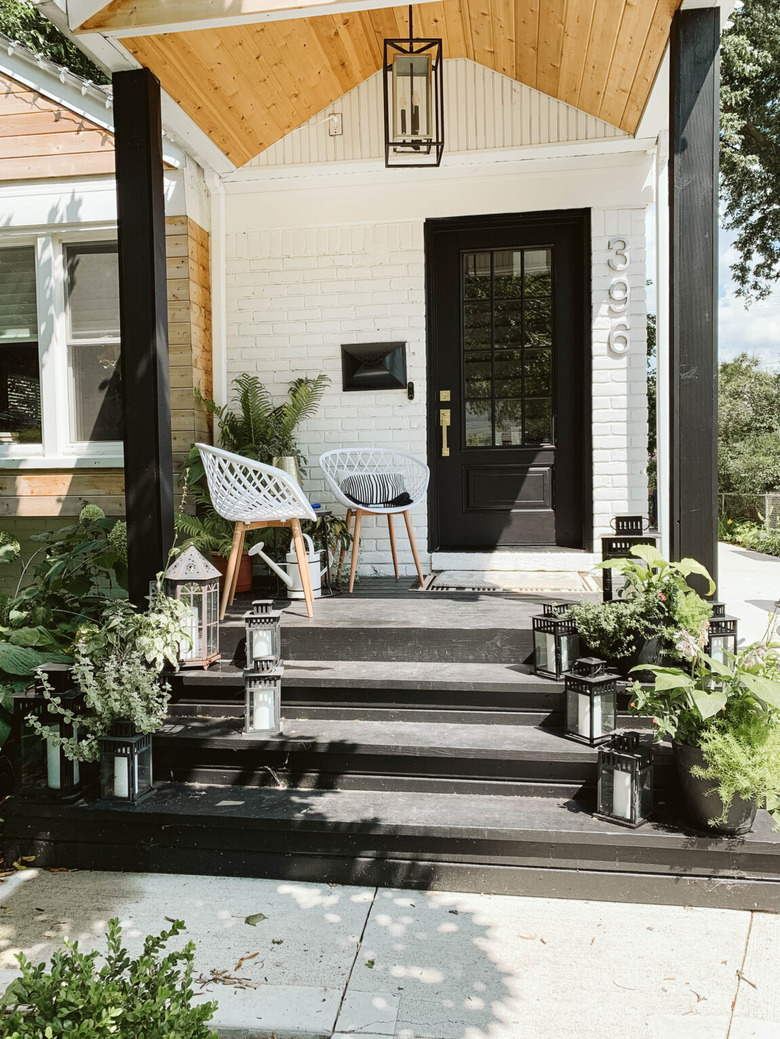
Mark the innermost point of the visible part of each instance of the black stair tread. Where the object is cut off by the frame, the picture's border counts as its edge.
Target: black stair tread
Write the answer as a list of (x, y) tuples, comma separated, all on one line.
[(355, 736), (383, 674), (428, 611), (546, 820)]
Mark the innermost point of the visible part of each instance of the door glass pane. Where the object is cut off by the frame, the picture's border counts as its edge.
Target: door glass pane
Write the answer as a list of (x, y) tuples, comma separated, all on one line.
[(509, 373), (538, 372), (476, 322), (93, 291), (96, 406), (478, 376), (509, 423), (508, 274), (479, 423), (538, 322), (476, 275), (538, 421), (538, 272), (507, 344), (508, 319)]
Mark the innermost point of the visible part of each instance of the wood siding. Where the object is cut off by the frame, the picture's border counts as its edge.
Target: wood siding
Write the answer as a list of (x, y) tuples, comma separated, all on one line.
[(59, 492), (248, 86), (40, 138), (483, 110)]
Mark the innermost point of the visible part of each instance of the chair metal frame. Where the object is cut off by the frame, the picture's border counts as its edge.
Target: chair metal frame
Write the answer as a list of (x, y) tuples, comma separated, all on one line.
[(342, 462), (251, 494)]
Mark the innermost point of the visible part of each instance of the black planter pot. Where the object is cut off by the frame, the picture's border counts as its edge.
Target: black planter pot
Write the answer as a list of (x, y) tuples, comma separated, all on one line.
[(702, 803), (648, 652)]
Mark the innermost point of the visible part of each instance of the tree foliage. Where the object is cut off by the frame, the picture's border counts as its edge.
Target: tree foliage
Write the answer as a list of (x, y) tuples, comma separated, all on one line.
[(748, 427), (750, 143), (19, 20)]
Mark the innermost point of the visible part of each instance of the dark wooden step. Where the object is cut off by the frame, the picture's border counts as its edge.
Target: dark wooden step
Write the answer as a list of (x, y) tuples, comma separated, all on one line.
[(194, 749), (516, 845)]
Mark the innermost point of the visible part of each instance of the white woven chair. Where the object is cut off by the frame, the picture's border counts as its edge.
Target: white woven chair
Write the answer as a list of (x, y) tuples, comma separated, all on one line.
[(251, 495), (411, 473)]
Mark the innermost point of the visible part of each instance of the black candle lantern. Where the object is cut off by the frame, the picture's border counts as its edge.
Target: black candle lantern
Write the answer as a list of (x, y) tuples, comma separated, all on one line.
[(195, 581), (722, 636), (629, 531), (625, 780), (556, 643), (41, 768), (263, 700), (125, 764), (413, 101), (263, 634), (591, 701)]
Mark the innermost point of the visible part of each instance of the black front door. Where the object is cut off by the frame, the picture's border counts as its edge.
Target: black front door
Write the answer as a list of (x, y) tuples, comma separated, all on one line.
[(508, 337)]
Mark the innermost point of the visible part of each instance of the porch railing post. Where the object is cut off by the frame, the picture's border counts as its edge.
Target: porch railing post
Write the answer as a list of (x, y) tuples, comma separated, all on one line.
[(144, 326), (693, 263)]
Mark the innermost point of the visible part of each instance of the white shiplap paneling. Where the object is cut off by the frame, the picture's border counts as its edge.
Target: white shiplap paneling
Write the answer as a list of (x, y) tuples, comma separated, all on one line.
[(483, 110)]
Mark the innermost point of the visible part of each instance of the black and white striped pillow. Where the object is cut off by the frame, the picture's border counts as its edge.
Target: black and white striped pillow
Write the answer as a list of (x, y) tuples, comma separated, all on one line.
[(383, 489)]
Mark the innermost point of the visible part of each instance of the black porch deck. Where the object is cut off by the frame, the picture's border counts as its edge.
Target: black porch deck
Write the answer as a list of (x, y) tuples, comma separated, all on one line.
[(419, 750)]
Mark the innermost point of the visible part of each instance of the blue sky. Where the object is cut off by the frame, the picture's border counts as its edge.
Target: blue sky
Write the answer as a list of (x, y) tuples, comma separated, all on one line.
[(754, 329)]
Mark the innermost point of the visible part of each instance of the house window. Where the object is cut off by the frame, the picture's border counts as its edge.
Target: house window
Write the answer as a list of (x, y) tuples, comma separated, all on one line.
[(60, 389)]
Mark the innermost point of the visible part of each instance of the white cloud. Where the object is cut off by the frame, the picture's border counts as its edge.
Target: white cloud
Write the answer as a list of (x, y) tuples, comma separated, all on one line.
[(754, 329)]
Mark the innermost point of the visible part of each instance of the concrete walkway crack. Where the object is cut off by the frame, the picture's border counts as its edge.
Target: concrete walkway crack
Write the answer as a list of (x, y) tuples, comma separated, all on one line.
[(354, 961), (739, 977)]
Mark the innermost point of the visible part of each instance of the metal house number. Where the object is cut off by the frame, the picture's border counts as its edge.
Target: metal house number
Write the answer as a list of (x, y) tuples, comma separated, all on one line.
[(619, 296)]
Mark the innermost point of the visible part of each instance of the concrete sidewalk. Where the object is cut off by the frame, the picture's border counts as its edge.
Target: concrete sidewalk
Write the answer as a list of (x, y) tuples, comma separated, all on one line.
[(749, 585), (338, 961)]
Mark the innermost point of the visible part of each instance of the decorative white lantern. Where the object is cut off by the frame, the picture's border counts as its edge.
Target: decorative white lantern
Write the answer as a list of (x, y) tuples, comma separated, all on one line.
[(263, 634), (263, 700), (195, 581)]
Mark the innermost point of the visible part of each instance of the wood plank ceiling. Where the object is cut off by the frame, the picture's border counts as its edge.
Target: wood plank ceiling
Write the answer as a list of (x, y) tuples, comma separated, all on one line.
[(247, 86)]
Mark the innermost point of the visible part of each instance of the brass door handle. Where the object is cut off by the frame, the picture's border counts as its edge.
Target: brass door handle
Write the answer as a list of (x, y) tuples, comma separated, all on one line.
[(444, 422)]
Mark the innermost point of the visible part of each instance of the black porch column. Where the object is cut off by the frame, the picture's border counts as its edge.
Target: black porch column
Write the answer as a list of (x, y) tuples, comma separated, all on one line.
[(693, 290), (144, 326)]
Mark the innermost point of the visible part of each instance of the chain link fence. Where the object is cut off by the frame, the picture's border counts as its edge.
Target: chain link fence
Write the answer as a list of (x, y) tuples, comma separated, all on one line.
[(755, 508)]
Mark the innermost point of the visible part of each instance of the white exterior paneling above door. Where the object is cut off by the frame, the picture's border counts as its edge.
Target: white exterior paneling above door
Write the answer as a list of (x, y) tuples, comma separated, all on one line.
[(483, 110)]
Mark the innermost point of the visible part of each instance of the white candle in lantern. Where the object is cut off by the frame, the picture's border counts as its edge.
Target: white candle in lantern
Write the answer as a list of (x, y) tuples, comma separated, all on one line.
[(263, 709), (621, 794), (121, 776), (584, 713), (53, 777), (262, 642)]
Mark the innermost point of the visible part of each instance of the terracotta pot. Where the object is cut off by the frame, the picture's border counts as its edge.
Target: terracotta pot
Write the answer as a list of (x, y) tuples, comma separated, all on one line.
[(702, 803), (244, 572)]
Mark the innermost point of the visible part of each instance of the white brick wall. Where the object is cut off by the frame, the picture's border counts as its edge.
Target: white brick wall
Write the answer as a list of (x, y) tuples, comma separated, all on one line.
[(295, 295), (293, 298), (619, 381)]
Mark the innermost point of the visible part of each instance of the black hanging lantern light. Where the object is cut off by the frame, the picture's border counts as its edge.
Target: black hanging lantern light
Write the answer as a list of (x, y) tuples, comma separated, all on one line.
[(625, 780), (556, 643), (722, 635), (629, 531), (591, 701), (414, 101)]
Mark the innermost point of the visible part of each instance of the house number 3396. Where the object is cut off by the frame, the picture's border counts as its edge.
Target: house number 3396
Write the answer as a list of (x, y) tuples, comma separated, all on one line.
[(619, 296)]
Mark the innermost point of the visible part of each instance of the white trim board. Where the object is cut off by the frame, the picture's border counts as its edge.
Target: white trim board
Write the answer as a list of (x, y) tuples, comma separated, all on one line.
[(525, 560)]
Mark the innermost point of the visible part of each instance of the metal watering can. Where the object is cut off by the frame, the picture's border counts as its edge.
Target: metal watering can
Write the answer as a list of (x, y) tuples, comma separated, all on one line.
[(293, 578)]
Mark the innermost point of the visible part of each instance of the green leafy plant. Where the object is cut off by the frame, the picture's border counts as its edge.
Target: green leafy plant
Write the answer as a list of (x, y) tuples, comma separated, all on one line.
[(150, 997), (63, 585), (119, 667), (616, 630), (757, 538), (730, 709)]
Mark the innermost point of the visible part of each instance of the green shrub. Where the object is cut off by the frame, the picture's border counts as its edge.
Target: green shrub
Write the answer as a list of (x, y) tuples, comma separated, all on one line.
[(146, 998), (615, 630), (758, 539)]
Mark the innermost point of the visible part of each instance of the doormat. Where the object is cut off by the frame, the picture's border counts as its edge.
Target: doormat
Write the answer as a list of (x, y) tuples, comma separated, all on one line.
[(542, 581)]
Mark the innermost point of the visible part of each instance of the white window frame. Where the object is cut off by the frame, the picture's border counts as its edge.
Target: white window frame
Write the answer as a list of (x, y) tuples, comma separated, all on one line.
[(57, 449)]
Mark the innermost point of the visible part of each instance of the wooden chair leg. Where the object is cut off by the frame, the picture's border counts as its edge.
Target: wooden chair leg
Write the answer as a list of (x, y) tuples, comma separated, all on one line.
[(350, 516), (238, 564), (392, 543), (231, 566), (303, 566), (413, 543), (355, 544)]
